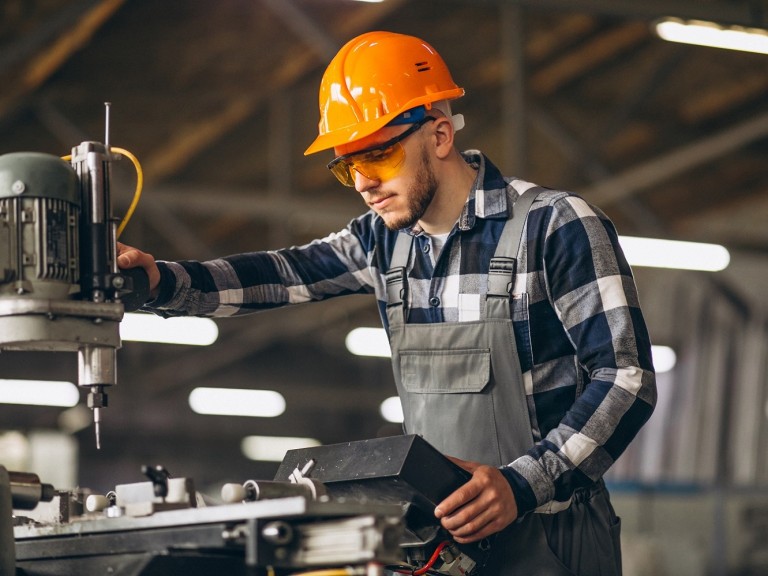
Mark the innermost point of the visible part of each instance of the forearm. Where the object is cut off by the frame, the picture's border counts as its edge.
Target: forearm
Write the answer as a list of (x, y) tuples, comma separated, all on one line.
[(255, 281), (589, 439), (604, 375)]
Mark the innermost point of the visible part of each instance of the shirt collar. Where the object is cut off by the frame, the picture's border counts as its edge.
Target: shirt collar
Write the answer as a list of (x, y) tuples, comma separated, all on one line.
[(487, 197)]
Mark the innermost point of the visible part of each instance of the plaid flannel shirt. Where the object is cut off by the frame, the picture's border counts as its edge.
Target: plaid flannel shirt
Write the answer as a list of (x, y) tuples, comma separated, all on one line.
[(583, 345)]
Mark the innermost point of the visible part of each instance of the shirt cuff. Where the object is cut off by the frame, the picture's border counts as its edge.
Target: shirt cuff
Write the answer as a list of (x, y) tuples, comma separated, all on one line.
[(524, 496), (166, 288)]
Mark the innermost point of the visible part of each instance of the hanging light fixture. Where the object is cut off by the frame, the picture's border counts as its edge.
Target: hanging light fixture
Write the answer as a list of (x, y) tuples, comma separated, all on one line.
[(703, 33), (676, 254), (190, 330), (39, 392)]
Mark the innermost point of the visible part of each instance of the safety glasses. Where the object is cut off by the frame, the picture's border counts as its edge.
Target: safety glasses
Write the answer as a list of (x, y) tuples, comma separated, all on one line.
[(380, 162)]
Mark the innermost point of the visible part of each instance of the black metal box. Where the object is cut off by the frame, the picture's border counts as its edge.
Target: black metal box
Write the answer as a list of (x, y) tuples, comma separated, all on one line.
[(397, 469)]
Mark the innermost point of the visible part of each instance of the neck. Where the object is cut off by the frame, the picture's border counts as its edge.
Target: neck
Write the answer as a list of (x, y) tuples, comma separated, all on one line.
[(455, 180)]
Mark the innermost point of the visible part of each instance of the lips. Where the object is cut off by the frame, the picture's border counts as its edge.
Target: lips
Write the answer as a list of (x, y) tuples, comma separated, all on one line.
[(380, 203)]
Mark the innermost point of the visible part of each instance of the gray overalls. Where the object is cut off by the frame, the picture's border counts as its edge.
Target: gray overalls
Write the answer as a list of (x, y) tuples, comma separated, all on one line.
[(461, 388)]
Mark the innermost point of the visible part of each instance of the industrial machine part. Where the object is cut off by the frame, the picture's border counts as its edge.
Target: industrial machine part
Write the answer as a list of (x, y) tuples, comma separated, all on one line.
[(251, 491), (18, 490), (27, 491), (369, 506), (143, 533), (406, 470), (60, 287), (396, 468)]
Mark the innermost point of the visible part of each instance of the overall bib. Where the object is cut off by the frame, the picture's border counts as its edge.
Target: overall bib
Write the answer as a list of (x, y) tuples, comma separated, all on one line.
[(462, 390)]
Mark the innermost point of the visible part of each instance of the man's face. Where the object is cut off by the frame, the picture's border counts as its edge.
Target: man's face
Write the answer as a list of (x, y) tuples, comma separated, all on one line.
[(403, 199)]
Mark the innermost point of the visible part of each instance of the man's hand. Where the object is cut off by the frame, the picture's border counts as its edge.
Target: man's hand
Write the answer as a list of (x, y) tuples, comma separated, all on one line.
[(481, 507), (129, 257)]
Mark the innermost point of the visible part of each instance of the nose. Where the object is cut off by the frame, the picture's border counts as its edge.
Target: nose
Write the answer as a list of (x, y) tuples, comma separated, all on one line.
[(363, 183)]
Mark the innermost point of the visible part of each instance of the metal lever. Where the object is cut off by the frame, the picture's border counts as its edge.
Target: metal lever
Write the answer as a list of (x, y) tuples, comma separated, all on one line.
[(301, 477), (159, 477)]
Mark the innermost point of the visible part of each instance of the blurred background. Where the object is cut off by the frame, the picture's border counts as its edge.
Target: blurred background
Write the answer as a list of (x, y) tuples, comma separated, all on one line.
[(218, 101)]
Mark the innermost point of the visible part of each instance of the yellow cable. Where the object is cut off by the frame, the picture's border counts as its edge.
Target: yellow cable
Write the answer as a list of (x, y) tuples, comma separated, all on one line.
[(137, 192)]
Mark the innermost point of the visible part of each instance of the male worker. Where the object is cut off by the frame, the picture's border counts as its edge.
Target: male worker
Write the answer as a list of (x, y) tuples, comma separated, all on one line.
[(517, 341)]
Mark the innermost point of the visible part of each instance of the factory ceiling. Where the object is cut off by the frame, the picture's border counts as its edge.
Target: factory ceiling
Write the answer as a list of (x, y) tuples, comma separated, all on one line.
[(218, 101)]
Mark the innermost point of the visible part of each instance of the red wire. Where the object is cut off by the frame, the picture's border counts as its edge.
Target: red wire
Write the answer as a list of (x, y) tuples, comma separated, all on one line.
[(432, 560)]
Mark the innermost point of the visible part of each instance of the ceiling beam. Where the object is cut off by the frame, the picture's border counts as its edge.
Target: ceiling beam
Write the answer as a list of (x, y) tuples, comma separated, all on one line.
[(190, 141), (304, 27), (719, 11), (577, 62), (243, 203), (658, 170), (36, 37), (49, 60), (580, 153)]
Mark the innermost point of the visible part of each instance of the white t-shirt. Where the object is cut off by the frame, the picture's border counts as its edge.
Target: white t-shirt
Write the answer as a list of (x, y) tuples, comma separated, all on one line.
[(436, 241)]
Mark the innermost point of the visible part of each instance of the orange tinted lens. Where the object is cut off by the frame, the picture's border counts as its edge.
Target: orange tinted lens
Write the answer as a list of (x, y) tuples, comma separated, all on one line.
[(343, 173), (380, 164), (374, 165)]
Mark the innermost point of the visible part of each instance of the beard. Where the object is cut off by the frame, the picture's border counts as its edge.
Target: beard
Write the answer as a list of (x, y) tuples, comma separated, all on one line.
[(419, 197)]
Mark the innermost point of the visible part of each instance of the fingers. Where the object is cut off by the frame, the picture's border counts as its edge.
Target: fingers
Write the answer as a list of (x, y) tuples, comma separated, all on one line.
[(129, 257), (478, 528), (477, 520), (466, 464), (458, 498), (479, 508)]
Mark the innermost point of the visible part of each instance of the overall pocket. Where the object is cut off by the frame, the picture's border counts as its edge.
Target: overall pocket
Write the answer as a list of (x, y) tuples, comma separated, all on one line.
[(450, 401)]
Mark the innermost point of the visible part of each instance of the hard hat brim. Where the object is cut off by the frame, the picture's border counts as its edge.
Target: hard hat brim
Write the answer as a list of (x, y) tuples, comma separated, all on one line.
[(361, 130)]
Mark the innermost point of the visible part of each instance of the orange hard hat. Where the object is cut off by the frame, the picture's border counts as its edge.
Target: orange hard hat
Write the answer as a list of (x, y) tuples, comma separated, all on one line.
[(374, 78)]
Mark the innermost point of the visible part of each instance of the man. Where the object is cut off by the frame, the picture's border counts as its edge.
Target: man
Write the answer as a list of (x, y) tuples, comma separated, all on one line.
[(519, 348)]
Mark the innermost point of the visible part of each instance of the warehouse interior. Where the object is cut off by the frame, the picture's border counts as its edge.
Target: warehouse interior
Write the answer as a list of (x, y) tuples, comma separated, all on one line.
[(218, 101)]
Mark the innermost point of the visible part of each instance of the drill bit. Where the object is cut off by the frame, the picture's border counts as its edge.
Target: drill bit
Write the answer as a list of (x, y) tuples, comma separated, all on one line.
[(97, 426), (97, 399)]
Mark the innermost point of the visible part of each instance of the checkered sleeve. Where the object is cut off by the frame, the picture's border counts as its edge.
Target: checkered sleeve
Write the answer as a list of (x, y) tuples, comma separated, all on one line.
[(591, 289), (234, 285)]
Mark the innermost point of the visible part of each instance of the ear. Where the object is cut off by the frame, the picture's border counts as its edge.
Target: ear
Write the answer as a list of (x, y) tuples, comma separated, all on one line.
[(443, 133)]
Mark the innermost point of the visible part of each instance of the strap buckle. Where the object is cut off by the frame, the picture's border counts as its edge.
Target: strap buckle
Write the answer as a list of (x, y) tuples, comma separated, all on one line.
[(396, 286), (501, 276)]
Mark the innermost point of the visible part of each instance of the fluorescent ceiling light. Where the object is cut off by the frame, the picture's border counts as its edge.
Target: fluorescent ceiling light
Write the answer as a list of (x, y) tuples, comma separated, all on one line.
[(273, 448), (237, 402), (674, 254), (714, 35), (39, 393), (142, 327), (392, 409), (368, 342), (664, 358)]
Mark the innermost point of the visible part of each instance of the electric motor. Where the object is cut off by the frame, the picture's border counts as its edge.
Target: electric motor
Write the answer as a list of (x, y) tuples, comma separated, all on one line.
[(39, 220)]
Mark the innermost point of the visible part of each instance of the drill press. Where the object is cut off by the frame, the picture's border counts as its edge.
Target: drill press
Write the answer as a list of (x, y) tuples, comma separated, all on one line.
[(60, 287)]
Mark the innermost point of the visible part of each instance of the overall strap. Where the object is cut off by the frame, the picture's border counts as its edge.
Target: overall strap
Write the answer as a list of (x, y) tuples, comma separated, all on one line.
[(501, 272), (397, 280)]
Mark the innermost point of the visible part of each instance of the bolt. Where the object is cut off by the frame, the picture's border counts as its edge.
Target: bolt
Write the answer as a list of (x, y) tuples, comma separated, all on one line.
[(18, 187)]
